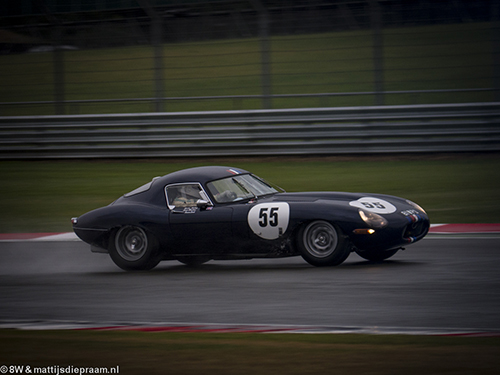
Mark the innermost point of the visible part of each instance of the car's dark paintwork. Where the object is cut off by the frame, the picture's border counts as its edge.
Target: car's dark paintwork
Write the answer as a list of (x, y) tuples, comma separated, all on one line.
[(225, 230)]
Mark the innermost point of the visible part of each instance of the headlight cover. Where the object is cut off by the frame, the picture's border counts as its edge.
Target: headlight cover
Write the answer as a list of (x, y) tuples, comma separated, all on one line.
[(414, 205), (373, 220)]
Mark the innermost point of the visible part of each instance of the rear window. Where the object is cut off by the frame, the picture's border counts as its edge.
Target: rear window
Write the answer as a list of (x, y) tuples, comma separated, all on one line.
[(141, 189)]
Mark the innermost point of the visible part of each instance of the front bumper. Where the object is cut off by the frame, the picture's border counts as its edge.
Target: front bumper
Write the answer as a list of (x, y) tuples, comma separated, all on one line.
[(400, 231), (417, 228)]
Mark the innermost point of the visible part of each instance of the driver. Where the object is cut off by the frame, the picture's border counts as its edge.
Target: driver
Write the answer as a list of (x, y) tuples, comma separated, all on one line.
[(226, 196), (187, 196)]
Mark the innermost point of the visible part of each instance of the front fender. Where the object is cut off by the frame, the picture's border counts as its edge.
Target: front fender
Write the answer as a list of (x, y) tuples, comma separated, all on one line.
[(340, 214)]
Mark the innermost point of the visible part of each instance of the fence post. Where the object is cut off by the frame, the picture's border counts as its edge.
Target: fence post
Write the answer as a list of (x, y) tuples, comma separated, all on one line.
[(265, 52), (157, 38), (58, 59), (378, 50), (156, 41), (495, 48)]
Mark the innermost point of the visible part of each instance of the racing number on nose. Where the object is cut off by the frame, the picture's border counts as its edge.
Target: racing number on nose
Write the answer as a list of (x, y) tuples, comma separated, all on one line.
[(373, 205), (271, 219)]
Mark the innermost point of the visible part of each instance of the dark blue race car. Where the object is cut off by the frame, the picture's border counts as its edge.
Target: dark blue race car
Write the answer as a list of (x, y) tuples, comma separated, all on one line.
[(205, 213)]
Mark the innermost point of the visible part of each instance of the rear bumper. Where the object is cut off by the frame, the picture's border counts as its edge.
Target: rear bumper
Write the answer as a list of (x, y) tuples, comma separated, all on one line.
[(95, 237)]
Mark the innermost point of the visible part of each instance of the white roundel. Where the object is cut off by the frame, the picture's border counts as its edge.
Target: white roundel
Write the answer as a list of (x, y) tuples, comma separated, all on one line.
[(269, 220), (376, 205)]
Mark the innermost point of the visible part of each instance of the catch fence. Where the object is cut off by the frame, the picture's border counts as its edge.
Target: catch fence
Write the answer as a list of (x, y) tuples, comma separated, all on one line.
[(158, 56)]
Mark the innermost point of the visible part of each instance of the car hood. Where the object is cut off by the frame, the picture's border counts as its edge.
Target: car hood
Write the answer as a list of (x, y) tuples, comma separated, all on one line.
[(332, 196)]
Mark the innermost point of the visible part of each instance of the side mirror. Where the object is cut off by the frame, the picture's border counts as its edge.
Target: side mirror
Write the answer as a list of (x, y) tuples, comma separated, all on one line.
[(202, 204)]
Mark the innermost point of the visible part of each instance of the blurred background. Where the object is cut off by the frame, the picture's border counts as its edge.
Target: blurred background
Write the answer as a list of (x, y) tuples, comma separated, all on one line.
[(130, 56)]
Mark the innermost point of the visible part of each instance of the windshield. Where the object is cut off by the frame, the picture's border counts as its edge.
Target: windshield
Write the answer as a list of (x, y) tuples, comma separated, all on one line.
[(239, 187)]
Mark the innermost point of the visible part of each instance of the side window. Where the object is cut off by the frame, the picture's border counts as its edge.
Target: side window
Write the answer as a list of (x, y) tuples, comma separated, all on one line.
[(184, 195)]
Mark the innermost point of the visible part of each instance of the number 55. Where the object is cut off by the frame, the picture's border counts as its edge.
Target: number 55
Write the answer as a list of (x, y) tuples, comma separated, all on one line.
[(273, 217)]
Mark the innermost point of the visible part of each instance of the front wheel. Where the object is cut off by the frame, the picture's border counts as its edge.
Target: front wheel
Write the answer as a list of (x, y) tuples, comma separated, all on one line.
[(322, 244), (131, 248)]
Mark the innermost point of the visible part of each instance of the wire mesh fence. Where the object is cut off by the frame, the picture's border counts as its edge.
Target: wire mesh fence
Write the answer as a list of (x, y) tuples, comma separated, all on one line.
[(155, 56)]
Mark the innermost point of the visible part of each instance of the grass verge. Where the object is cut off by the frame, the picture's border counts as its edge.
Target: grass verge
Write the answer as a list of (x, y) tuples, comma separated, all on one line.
[(231, 353), (41, 196)]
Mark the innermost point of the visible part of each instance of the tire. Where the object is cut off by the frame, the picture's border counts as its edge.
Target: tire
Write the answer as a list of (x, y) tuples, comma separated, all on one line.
[(322, 244), (131, 248), (376, 256)]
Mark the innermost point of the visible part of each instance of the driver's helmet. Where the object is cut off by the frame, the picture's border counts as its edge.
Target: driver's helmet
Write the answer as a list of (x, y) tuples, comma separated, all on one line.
[(190, 192)]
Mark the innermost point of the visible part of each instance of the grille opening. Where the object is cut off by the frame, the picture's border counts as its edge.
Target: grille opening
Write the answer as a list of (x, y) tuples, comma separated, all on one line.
[(415, 229)]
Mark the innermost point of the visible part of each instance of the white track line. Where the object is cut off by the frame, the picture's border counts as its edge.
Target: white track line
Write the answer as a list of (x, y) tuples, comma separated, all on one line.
[(70, 236), (238, 328)]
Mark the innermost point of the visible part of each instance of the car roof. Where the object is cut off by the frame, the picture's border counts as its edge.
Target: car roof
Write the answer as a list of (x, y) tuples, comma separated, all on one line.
[(200, 174)]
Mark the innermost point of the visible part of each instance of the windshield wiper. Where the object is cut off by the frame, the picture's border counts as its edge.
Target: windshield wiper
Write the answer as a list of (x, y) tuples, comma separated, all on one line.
[(242, 187), (270, 185)]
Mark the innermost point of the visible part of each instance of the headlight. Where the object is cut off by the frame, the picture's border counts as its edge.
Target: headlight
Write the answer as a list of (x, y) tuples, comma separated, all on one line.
[(372, 219), (414, 205)]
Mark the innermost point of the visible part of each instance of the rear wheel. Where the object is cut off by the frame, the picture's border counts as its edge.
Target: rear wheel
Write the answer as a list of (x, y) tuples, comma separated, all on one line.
[(322, 244), (131, 248), (376, 256)]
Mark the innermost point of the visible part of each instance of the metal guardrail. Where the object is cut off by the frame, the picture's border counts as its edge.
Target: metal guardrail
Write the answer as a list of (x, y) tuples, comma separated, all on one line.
[(309, 131), (76, 103)]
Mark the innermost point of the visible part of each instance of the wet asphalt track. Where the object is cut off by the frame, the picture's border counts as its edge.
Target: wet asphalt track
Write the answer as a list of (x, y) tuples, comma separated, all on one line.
[(436, 283)]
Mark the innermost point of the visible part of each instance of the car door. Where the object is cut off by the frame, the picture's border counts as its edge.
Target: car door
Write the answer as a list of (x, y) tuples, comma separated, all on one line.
[(261, 225), (197, 230)]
